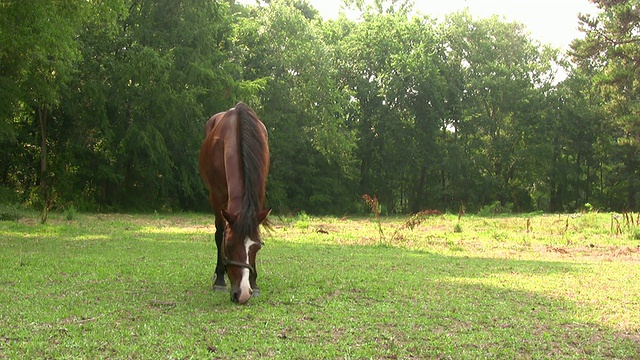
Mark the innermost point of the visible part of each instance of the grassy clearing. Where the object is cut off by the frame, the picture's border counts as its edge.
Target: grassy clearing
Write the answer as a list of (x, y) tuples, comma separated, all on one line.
[(122, 286)]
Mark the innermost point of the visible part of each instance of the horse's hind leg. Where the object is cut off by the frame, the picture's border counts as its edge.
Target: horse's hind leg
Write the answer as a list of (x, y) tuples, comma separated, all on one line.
[(218, 279)]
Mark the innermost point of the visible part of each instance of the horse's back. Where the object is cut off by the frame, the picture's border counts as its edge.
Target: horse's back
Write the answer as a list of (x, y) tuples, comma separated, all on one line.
[(223, 162), (212, 122), (211, 162)]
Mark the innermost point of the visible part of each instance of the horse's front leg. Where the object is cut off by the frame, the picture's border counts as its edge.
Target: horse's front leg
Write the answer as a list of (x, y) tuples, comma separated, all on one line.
[(218, 278), (253, 281)]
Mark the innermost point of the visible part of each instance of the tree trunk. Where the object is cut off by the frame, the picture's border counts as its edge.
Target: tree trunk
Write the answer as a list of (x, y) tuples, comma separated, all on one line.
[(42, 119), (418, 201)]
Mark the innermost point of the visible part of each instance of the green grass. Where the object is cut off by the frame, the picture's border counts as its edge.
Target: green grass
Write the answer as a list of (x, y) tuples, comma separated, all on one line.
[(123, 286)]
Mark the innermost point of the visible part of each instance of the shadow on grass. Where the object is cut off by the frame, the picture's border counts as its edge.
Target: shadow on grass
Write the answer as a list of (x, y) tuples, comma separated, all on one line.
[(94, 292)]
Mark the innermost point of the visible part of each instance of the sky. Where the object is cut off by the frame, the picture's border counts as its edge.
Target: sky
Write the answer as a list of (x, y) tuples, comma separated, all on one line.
[(553, 22)]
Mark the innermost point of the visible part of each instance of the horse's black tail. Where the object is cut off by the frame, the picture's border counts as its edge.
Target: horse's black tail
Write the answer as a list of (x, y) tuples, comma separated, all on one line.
[(252, 144)]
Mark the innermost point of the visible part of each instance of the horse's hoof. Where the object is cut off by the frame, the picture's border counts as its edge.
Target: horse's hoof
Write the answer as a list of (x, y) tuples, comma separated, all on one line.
[(256, 293), (219, 288)]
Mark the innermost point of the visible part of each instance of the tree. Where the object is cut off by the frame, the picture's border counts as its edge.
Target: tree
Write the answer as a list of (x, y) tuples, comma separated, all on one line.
[(38, 56), (102, 103), (129, 85), (391, 67), (504, 78), (611, 50), (281, 46)]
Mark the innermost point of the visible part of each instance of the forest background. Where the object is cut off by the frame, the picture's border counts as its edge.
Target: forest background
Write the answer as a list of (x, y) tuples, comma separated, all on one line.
[(103, 105)]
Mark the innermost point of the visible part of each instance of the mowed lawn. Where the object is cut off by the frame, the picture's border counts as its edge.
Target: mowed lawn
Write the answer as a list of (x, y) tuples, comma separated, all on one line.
[(139, 287)]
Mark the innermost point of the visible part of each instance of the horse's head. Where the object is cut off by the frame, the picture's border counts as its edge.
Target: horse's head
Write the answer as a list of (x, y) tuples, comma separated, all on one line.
[(240, 249)]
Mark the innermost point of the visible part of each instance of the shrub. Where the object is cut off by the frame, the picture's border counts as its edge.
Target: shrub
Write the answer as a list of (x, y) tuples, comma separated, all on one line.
[(10, 212), (495, 208)]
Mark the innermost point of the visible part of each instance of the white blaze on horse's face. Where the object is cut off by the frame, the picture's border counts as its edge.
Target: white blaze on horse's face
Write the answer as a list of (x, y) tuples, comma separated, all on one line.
[(245, 286)]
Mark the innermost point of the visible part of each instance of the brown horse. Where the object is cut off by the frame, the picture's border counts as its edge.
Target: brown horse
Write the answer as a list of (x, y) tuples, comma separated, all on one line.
[(234, 163)]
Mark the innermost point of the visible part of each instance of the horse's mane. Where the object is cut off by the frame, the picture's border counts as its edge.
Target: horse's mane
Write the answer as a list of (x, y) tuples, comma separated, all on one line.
[(252, 144)]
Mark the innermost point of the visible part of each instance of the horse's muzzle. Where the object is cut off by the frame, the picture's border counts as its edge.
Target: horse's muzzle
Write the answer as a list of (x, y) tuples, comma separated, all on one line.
[(241, 297)]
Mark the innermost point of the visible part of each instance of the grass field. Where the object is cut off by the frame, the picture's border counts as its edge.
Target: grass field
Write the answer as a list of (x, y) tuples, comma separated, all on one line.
[(139, 286)]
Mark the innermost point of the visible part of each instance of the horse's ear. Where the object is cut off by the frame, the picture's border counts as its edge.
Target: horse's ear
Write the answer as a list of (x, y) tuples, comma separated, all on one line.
[(231, 218), (262, 215)]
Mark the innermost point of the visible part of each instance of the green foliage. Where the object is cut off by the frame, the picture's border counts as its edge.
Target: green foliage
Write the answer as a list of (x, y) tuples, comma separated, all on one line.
[(8, 195), (588, 207), (303, 110), (10, 212), (103, 103), (9, 205), (608, 57), (495, 208)]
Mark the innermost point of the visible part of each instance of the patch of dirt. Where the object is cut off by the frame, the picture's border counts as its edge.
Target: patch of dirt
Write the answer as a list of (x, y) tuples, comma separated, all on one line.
[(594, 252), (633, 336)]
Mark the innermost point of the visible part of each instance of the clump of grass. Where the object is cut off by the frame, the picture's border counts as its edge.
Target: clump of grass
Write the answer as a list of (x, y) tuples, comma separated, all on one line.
[(70, 213), (412, 222), (615, 224), (302, 220), (625, 221)]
